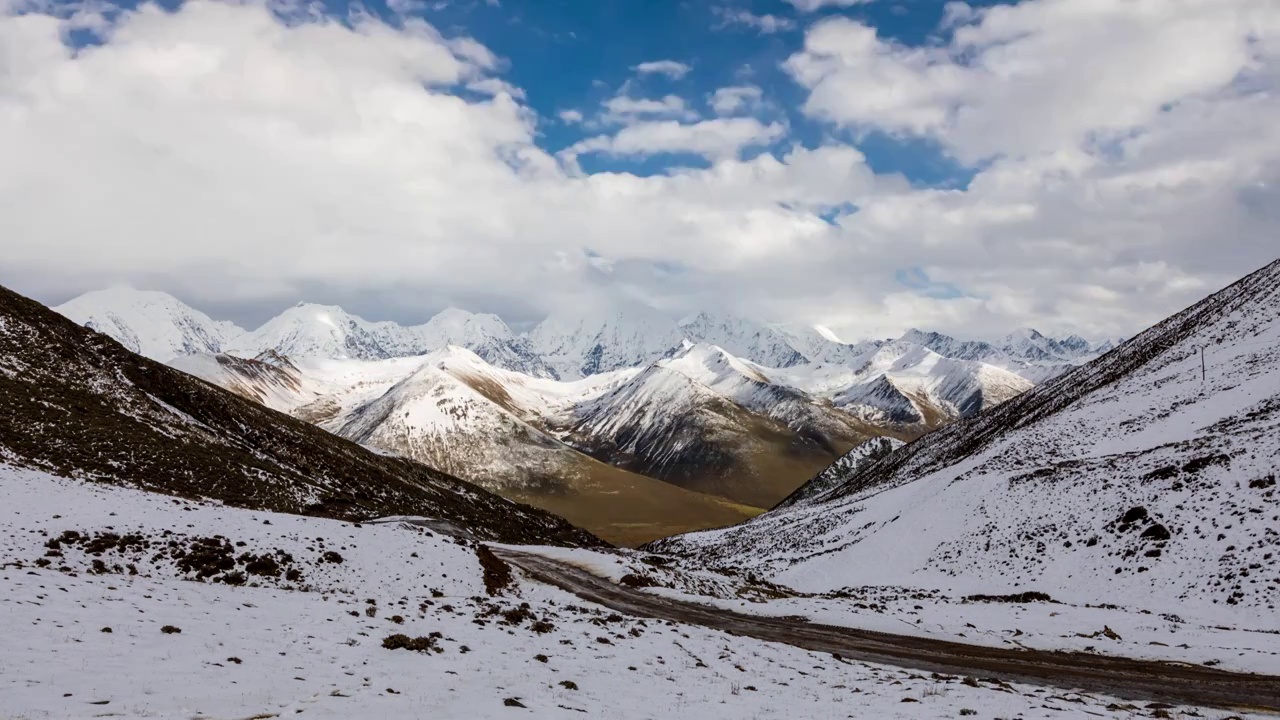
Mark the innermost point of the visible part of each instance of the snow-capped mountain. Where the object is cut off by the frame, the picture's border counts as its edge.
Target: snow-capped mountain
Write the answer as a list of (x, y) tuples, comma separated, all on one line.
[(485, 335), (1030, 345), (309, 330), (1027, 352), (904, 386), (327, 331), (820, 346), (102, 413), (153, 324), (709, 421), (1133, 472), (746, 339), (947, 346), (604, 339)]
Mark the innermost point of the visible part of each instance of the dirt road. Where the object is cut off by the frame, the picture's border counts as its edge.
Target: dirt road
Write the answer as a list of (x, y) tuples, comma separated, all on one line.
[(1133, 679)]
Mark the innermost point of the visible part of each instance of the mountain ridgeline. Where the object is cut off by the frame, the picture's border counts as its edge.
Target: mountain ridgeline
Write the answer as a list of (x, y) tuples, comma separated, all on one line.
[(624, 421), (79, 404)]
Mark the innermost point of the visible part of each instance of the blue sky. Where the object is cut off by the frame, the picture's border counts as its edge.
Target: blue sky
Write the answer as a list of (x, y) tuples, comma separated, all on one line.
[(576, 54)]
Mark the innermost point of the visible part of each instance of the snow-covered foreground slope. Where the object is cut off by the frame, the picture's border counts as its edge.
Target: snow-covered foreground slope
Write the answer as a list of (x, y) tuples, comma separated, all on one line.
[(82, 641), (154, 324), (1134, 479)]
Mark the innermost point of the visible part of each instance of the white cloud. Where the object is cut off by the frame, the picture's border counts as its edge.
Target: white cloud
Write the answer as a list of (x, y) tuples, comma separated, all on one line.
[(670, 68), (807, 6), (730, 100), (1036, 76), (766, 24), (570, 117), (623, 109), (220, 152), (716, 138)]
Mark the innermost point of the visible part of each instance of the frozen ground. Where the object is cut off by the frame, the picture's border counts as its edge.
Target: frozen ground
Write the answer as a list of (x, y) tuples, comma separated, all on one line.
[(1216, 637), (311, 646)]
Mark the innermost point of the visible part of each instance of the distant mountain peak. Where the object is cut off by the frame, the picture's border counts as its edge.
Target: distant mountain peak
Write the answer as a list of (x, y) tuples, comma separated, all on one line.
[(149, 322)]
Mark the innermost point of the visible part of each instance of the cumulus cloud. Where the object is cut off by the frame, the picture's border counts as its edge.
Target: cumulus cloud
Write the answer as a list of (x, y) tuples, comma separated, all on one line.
[(807, 6), (766, 24), (570, 117), (729, 100), (219, 151), (1036, 76), (715, 138), (623, 109), (670, 68)]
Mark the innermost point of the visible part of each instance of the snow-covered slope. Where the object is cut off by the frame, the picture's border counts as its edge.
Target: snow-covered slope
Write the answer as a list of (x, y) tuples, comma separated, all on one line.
[(906, 387), (746, 339), (706, 420), (309, 330), (750, 386), (328, 331), (1027, 352), (820, 346), (437, 419), (302, 635), (1132, 477), (603, 339), (154, 324), (485, 335)]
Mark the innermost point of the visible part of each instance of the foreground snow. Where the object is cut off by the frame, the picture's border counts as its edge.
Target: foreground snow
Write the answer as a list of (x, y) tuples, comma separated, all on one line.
[(310, 646)]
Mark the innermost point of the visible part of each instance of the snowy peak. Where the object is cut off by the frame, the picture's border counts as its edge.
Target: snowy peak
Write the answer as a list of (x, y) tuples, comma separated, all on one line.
[(150, 323), (488, 337), (327, 331), (602, 340), (950, 347), (309, 330), (820, 346), (744, 338)]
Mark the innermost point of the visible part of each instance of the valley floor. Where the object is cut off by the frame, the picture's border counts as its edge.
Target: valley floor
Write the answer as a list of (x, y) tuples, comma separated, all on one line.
[(310, 642)]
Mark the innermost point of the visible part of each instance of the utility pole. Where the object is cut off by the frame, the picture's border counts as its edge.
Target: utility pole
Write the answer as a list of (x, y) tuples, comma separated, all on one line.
[(1202, 364)]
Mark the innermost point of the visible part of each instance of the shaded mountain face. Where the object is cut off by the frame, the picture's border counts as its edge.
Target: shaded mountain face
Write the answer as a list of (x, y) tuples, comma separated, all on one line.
[(153, 324), (1134, 473), (77, 403)]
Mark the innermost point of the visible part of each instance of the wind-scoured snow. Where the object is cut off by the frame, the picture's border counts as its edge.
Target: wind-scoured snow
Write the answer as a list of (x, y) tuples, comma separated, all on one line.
[(1133, 479)]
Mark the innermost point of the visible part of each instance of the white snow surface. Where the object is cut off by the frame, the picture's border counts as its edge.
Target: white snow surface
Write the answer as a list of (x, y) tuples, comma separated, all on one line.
[(310, 648), (153, 324)]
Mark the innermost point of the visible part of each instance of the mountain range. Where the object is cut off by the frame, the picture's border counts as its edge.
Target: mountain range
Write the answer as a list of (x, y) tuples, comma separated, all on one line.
[(625, 422), (1151, 468)]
